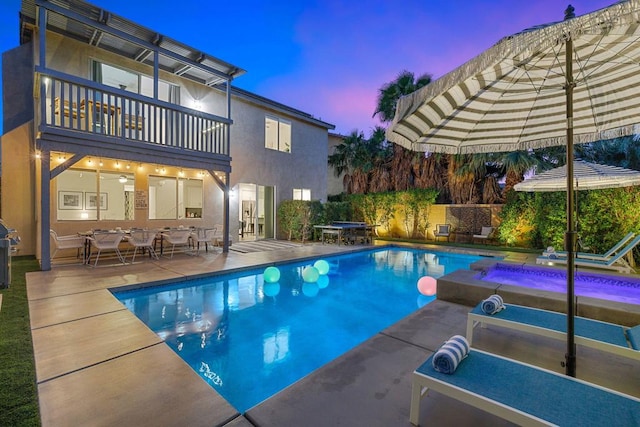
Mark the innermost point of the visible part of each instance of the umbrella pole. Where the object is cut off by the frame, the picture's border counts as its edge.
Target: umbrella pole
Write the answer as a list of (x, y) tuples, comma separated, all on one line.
[(570, 236)]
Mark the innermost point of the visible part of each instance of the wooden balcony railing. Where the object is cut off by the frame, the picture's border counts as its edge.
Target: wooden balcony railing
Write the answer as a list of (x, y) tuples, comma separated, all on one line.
[(77, 105)]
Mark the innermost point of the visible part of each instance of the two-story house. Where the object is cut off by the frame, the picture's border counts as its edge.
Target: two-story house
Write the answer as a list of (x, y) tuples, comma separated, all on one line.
[(110, 124)]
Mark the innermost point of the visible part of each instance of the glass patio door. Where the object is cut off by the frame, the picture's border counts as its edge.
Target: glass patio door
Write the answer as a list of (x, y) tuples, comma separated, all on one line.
[(256, 212)]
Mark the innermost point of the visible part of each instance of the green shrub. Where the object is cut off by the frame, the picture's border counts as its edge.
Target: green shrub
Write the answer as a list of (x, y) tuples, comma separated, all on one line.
[(540, 220)]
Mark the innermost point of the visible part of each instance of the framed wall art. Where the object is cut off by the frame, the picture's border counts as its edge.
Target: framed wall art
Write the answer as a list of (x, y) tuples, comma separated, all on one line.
[(70, 199), (91, 200)]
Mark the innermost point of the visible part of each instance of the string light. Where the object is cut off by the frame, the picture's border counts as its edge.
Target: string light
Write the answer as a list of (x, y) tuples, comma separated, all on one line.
[(89, 162), (101, 164)]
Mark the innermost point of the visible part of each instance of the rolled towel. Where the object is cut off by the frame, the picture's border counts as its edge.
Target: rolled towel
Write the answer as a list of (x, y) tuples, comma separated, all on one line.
[(493, 304), (450, 354)]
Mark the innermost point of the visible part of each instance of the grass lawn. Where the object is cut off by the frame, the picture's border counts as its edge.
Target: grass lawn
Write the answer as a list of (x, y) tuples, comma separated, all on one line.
[(18, 391)]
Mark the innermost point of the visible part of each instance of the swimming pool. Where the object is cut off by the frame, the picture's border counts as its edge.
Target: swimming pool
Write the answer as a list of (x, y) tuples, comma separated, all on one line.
[(250, 339), (602, 286)]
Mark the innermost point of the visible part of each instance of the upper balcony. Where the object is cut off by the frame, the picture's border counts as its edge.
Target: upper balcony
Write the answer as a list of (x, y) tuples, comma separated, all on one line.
[(84, 109), (93, 114)]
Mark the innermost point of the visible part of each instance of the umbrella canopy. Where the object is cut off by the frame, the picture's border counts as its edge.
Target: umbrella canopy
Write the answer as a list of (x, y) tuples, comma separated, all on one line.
[(512, 96), (523, 93), (586, 176)]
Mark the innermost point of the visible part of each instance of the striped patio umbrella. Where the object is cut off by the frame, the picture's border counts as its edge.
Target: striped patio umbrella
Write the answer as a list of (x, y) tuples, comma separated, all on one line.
[(586, 176), (553, 84)]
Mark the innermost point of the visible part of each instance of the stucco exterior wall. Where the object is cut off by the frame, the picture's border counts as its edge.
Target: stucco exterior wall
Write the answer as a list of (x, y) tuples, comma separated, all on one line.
[(18, 186), (304, 167), (17, 87)]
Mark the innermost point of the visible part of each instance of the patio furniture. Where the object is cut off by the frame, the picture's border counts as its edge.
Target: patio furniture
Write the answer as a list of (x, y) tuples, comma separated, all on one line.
[(133, 122), (485, 234), (442, 230), (611, 252), (592, 333), (67, 242), (142, 239), (523, 394), (204, 235), (218, 236), (105, 241), (177, 237), (347, 232), (616, 262)]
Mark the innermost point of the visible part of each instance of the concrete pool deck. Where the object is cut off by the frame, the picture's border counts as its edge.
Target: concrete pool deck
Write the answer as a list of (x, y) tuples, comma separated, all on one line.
[(97, 364)]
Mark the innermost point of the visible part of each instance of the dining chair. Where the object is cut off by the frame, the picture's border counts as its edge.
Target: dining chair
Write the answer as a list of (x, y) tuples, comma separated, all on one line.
[(203, 235), (142, 239), (177, 237), (72, 241), (104, 241)]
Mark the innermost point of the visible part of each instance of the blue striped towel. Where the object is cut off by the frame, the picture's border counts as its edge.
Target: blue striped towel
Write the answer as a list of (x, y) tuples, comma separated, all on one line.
[(493, 304), (450, 354)]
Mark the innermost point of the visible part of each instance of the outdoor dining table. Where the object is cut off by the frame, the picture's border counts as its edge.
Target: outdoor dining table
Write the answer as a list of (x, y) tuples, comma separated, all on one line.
[(347, 231)]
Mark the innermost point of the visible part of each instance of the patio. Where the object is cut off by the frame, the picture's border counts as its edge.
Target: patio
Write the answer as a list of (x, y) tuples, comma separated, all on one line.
[(97, 364)]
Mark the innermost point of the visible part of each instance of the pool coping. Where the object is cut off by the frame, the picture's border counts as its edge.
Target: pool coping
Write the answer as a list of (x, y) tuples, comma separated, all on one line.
[(462, 287)]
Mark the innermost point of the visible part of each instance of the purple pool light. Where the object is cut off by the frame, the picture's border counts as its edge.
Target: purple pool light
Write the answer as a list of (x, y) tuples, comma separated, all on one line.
[(594, 285)]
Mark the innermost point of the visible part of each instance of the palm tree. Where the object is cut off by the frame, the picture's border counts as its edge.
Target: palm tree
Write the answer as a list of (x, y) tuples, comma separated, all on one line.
[(390, 93), (517, 163), (346, 160), (623, 152), (401, 165), (491, 191), (382, 152), (461, 174), (358, 158)]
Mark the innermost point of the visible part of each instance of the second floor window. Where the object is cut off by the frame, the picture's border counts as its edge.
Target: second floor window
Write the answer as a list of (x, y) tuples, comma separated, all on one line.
[(277, 134)]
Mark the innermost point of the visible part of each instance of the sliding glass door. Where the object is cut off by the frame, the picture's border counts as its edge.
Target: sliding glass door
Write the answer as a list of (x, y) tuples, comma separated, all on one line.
[(256, 212)]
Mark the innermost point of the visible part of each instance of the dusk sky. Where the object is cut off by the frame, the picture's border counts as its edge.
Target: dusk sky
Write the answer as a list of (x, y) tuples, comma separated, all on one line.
[(329, 58)]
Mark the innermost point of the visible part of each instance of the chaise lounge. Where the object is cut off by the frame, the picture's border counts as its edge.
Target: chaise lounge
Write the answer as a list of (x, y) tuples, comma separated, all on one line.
[(524, 394), (592, 333), (611, 252), (616, 262)]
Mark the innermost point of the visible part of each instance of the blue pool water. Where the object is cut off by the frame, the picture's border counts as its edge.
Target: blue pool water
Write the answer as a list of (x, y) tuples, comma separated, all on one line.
[(249, 339)]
